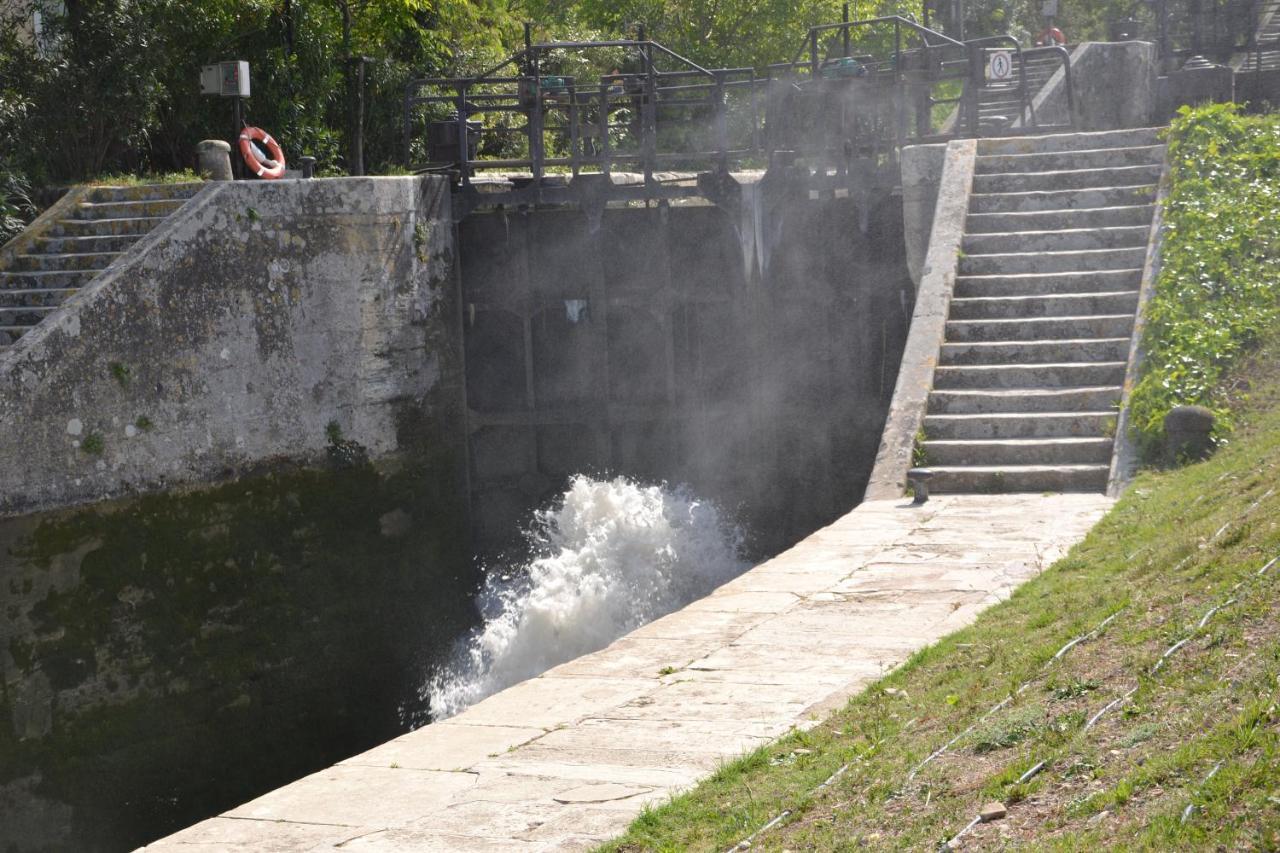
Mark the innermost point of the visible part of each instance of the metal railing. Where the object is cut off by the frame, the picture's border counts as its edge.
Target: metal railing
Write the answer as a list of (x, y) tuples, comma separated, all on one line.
[(643, 119), (853, 94)]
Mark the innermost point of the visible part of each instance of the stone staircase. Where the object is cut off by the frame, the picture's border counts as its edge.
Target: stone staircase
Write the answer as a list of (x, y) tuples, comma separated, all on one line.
[(67, 253), (1000, 104), (1037, 337)]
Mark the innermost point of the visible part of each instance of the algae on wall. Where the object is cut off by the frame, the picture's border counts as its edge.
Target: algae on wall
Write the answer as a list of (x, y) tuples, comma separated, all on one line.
[(168, 656)]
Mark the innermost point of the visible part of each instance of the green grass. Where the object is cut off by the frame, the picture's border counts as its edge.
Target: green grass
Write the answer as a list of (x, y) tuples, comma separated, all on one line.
[(129, 180), (1176, 544)]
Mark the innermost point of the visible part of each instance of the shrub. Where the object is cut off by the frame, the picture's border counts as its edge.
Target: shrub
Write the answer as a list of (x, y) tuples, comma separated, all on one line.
[(1219, 284)]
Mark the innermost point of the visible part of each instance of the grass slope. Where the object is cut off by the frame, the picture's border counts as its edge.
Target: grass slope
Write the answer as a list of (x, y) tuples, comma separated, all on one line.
[(1177, 545)]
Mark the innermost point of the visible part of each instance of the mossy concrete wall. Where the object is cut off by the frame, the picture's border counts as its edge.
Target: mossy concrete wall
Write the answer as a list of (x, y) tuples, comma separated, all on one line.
[(232, 508), (236, 332), (169, 656)]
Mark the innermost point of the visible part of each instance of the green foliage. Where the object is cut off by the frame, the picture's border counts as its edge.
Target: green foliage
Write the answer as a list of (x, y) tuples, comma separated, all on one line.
[(93, 444), (1219, 284), (110, 86)]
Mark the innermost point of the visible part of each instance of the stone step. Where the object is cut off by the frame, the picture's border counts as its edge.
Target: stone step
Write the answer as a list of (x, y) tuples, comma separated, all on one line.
[(1067, 179), (1061, 199), (960, 401), (1073, 239), (1060, 220), (86, 245), (1046, 375), (24, 316), (127, 209), (1040, 328), (145, 192), (1038, 284), (59, 262), (1047, 143), (132, 226), (35, 297), (1075, 351), (1019, 478), (1019, 451), (1068, 305), (1021, 425), (1083, 260), (1090, 158), (45, 280)]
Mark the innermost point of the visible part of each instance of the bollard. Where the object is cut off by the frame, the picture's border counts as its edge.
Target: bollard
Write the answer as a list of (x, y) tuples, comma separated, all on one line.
[(919, 480), (215, 160), (308, 165)]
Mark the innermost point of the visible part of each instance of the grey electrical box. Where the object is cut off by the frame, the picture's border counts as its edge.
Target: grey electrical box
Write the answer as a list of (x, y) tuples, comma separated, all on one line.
[(228, 79)]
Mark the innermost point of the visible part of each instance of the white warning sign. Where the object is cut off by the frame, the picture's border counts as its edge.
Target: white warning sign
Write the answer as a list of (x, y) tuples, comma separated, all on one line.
[(1000, 65)]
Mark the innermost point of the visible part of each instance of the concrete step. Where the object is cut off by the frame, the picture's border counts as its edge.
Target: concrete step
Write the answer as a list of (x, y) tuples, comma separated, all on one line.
[(1093, 141), (1073, 239), (980, 402), (1061, 199), (1060, 220), (1069, 305), (44, 280), (1093, 158), (1037, 284), (127, 209), (1019, 451), (86, 245), (1047, 375), (33, 298), (1074, 351), (132, 226), (1084, 260), (58, 262), (144, 192), (1019, 478), (1021, 425), (1040, 328), (1067, 179)]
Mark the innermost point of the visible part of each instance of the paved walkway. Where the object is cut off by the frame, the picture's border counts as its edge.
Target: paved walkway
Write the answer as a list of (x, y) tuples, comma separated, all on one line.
[(568, 759)]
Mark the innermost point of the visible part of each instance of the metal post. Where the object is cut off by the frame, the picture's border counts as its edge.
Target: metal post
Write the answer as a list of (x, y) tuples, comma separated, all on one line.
[(605, 164), (649, 114), (845, 30), (722, 123), (464, 147), (237, 164), (407, 118)]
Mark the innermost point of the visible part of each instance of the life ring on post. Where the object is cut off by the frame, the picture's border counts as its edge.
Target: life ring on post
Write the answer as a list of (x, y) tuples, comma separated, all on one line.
[(269, 166), (1051, 36)]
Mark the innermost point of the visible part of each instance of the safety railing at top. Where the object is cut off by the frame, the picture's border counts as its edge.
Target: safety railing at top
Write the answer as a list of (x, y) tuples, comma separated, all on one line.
[(855, 90), (645, 118), (1214, 29)]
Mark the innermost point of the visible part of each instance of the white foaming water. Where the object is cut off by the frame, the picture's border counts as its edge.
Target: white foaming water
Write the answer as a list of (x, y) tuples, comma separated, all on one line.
[(614, 555)]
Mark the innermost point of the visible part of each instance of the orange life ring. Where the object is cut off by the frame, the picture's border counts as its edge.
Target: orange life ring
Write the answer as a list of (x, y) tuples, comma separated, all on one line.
[(1051, 35), (268, 169)]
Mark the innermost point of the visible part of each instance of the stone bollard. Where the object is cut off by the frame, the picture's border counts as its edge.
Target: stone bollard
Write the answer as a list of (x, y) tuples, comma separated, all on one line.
[(215, 160), (1188, 433), (919, 480)]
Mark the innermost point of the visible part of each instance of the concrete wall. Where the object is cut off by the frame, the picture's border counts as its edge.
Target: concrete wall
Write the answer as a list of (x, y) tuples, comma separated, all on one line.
[(1115, 85), (236, 333), (277, 371), (653, 347)]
